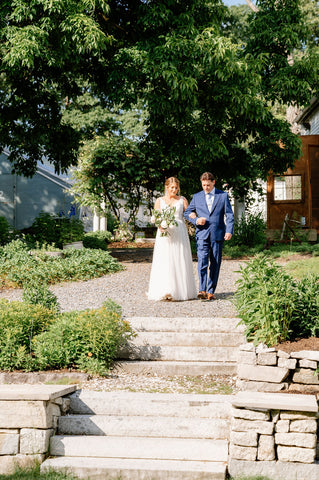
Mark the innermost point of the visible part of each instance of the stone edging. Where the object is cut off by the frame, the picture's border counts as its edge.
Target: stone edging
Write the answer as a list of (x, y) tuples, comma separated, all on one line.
[(267, 369), (273, 434), (28, 418)]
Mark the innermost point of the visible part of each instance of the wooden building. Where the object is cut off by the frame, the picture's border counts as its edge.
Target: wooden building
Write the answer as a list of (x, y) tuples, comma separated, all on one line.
[(296, 193)]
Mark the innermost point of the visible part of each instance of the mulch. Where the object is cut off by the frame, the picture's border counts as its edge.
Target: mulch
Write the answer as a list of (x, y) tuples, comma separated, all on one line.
[(129, 245), (311, 343)]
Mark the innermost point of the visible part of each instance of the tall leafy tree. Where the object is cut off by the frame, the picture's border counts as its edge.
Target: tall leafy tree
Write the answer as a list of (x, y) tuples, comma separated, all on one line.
[(44, 45), (207, 97)]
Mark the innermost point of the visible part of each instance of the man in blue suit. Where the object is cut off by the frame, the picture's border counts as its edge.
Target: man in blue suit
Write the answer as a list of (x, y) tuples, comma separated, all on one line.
[(207, 211)]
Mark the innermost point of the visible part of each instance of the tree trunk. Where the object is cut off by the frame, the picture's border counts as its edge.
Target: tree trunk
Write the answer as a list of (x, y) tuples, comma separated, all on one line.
[(252, 6)]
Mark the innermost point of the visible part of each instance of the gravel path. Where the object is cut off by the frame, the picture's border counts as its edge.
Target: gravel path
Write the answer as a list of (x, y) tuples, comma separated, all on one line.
[(128, 288)]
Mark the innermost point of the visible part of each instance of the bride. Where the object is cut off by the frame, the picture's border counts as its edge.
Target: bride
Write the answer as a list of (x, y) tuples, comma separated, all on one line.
[(172, 276)]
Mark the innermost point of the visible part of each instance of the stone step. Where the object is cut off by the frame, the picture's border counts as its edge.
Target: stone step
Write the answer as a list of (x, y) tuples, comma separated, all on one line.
[(141, 426), (123, 403), (200, 339), (135, 469), (171, 368), (140, 447), (185, 324), (180, 354)]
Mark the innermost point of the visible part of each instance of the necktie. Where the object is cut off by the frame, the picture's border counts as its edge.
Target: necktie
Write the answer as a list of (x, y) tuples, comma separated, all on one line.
[(209, 200)]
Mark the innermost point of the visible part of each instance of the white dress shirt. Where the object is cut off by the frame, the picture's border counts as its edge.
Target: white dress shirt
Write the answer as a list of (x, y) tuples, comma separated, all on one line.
[(210, 199)]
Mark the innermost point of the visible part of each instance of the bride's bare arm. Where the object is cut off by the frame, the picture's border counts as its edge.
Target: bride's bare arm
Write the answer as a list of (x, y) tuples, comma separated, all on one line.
[(157, 205)]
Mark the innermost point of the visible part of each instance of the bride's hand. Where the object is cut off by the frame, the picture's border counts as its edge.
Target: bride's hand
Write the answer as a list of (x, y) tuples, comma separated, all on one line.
[(192, 215)]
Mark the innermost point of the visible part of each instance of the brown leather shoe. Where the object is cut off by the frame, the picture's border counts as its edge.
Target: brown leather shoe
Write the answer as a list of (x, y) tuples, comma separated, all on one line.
[(202, 295), (211, 296)]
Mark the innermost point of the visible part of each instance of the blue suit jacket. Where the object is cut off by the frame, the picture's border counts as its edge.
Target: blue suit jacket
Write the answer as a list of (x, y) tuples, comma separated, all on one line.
[(214, 227)]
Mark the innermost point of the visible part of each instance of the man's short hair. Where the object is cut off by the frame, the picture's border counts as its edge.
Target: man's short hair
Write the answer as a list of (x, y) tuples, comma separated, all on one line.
[(207, 176)]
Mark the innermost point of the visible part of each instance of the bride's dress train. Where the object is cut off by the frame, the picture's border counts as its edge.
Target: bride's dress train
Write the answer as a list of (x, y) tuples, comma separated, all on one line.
[(172, 268)]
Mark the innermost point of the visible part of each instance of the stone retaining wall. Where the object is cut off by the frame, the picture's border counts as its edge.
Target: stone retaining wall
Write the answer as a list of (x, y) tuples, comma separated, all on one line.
[(28, 418), (265, 369), (272, 434)]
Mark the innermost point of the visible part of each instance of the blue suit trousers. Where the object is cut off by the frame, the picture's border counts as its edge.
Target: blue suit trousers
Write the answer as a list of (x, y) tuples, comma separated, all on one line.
[(209, 253)]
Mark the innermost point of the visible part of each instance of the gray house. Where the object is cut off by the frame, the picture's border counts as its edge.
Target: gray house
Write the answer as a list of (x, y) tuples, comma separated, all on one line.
[(22, 199), (308, 119)]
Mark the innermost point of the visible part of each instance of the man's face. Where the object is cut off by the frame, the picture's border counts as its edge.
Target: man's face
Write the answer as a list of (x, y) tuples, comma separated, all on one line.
[(208, 185)]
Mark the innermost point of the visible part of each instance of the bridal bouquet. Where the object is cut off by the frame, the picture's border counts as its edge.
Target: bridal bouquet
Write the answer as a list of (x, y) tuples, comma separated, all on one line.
[(164, 219)]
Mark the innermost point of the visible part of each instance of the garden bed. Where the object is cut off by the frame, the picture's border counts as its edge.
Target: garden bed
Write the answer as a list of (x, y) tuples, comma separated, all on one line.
[(311, 343)]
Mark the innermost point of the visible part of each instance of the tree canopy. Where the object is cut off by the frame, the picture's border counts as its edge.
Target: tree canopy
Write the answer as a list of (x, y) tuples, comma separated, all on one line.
[(204, 95)]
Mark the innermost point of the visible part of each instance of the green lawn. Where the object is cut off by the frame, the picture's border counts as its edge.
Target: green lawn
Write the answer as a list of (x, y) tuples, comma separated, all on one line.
[(34, 474), (300, 268)]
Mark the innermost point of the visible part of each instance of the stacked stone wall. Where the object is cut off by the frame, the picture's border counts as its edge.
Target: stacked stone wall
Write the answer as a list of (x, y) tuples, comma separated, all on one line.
[(274, 433), (28, 418), (270, 370)]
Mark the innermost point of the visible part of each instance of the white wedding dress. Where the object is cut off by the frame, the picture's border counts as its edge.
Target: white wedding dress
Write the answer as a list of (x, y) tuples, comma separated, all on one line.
[(172, 268)]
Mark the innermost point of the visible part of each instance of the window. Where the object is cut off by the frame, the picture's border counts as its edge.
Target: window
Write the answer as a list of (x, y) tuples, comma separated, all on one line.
[(287, 187)]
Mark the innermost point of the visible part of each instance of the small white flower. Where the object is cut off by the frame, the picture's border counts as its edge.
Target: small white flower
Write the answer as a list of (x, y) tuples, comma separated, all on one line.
[(152, 219), (164, 224)]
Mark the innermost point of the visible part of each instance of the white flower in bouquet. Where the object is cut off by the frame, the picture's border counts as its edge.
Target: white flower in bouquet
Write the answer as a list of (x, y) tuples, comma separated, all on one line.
[(165, 218), (164, 224)]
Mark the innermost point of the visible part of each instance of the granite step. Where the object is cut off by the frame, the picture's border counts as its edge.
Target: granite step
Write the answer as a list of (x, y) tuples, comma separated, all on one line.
[(123, 403), (202, 449), (170, 368), (181, 346), (138, 426), (185, 324), (199, 339), (180, 353), (136, 469)]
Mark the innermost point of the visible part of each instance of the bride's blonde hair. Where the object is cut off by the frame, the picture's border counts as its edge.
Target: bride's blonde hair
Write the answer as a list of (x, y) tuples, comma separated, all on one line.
[(169, 182)]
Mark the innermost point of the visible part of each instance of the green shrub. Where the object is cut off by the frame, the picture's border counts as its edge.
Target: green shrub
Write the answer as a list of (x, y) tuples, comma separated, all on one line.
[(48, 228), (305, 318), (71, 230), (265, 301), (18, 267), (249, 230), (87, 339), (19, 323), (274, 306), (5, 231), (44, 228), (33, 337), (97, 240), (39, 294)]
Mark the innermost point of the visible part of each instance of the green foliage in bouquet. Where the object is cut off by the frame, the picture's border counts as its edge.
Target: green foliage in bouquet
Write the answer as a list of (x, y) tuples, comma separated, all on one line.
[(165, 219)]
